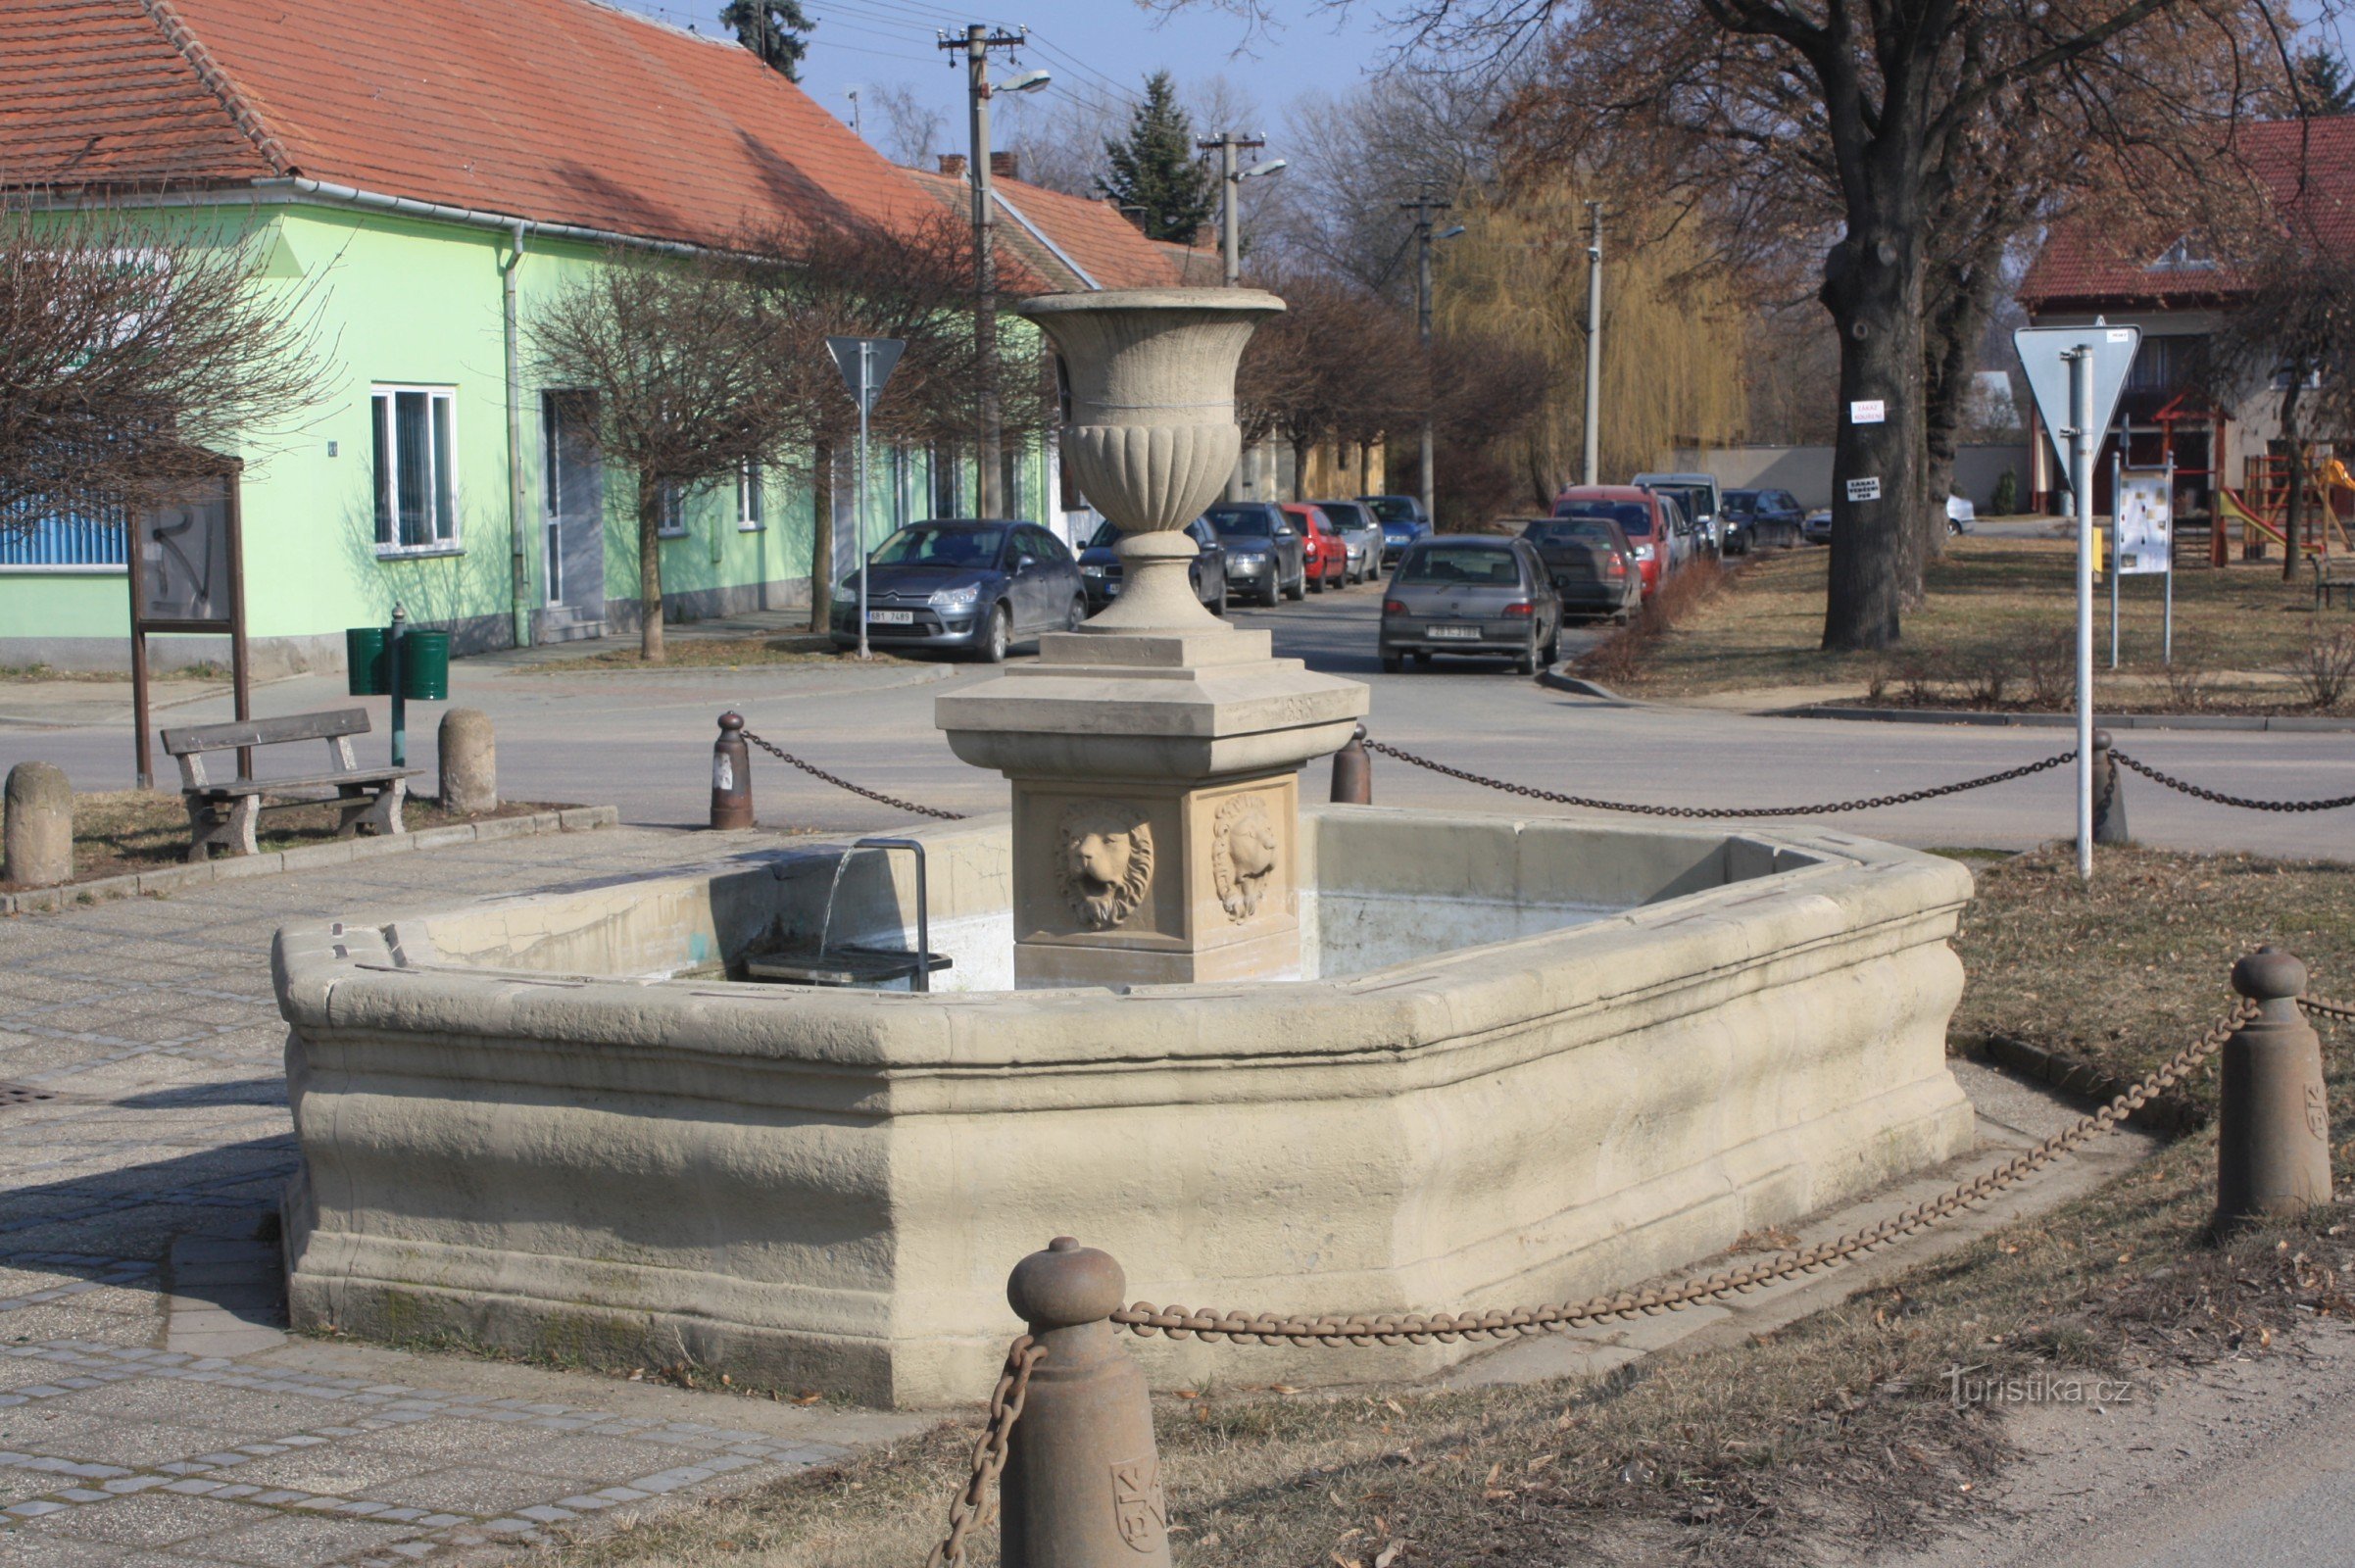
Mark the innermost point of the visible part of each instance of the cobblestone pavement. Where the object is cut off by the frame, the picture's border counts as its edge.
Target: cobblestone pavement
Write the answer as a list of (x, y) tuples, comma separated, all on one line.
[(152, 1408)]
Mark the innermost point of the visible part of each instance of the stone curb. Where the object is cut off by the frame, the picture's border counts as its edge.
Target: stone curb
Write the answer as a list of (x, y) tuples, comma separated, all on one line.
[(1555, 679), (172, 879), (2285, 722)]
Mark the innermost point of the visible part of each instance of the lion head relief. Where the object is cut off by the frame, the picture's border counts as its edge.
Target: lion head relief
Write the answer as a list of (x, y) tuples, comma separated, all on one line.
[(1243, 851), (1105, 865)]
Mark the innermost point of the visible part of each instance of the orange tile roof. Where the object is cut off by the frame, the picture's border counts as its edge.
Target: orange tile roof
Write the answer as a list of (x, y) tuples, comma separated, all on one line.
[(1099, 246), (2307, 168), (557, 111)]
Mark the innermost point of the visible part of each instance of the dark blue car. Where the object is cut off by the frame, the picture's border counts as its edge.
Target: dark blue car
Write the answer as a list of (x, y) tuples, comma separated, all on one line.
[(1100, 569), (1402, 522)]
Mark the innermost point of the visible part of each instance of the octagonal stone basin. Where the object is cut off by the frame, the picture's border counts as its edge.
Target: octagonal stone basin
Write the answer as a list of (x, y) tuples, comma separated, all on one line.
[(1533, 1059)]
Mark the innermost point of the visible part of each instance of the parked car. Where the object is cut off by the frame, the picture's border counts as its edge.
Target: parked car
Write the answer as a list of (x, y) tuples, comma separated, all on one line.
[(1471, 594), (1593, 564), (1960, 513), (1402, 522), (1361, 533), (1644, 517), (1266, 557), (1328, 556), (1684, 535), (1101, 573), (971, 585), (1816, 526), (1702, 500), (1762, 519)]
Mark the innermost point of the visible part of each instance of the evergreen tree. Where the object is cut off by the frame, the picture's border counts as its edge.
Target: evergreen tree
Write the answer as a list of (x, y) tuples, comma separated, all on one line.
[(774, 29), (1154, 174), (2323, 83)]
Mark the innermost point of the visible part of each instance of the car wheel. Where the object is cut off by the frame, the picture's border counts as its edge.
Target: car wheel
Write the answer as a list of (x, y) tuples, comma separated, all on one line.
[(1001, 634), (1217, 606), (1392, 663), (1298, 590), (1316, 584), (1553, 646), (1077, 613), (1527, 660)]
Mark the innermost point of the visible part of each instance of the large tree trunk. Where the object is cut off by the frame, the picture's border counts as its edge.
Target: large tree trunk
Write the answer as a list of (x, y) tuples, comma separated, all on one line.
[(1873, 288), (650, 568), (1300, 468), (821, 539), (2292, 514), (1954, 326)]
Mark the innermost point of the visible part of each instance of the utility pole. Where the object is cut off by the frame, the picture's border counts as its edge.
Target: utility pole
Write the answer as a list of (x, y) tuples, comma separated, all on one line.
[(1593, 345), (1229, 192), (857, 121), (976, 42), (1423, 207)]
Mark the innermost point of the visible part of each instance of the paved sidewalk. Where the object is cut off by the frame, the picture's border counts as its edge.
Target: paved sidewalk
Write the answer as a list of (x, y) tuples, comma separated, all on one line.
[(152, 1408)]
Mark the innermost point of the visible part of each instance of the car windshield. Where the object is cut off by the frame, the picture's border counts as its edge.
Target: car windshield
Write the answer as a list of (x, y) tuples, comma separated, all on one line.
[(1476, 565), (1742, 503), (1393, 509), (1248, 522), (938, 545), (1633, 517), (1106, 536), (1570, 531)]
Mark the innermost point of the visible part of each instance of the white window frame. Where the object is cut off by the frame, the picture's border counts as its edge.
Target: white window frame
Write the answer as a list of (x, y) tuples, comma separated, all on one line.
[(670, 519), (440, 487), (752, 498)]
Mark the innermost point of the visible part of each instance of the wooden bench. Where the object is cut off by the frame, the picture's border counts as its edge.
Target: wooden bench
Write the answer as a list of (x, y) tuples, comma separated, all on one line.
[(2332, 575), (224, 812)]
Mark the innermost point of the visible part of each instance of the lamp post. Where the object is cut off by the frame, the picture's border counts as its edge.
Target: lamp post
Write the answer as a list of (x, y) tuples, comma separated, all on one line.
[(1594, 346), (976, 42), (1229, 194)]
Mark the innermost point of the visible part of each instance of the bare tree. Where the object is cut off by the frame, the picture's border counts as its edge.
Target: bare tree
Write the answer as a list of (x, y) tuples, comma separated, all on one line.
[(130, 347), (694, 379), (912, 129)]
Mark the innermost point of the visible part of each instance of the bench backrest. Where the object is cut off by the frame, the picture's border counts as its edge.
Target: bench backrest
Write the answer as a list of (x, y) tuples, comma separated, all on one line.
[(190, 741)]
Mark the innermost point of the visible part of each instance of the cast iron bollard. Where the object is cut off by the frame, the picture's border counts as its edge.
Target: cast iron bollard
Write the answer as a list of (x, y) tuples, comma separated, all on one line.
[(1353, 772), (731, 775), (1082, 1483), (39, 848), (2272, 1123), (2109, 794), (468, 752)]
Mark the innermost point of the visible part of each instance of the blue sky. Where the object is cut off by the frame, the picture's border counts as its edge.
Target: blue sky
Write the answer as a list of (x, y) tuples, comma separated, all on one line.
[(1095, 48)]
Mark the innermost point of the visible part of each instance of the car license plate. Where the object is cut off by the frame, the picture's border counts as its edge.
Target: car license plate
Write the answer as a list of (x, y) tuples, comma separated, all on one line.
[(1455, 632), (891, 617), (1111, 590)]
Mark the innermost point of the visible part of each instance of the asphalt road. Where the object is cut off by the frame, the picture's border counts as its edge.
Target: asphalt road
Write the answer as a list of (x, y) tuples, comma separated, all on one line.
[(641, 741)]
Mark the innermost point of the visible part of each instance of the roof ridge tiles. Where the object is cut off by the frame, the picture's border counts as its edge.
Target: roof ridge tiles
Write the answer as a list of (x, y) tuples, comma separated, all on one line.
[(200, 59)]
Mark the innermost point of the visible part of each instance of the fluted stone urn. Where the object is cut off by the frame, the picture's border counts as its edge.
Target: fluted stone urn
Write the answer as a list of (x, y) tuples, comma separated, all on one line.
[(1154, 753)]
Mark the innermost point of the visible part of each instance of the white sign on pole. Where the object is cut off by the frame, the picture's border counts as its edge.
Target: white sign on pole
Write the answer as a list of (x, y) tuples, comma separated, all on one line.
[(1869, 411), (2145, 521), (2044, 351), (1865, 489)]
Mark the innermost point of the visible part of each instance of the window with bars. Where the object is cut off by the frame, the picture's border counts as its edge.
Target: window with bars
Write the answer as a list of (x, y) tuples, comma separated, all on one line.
[(41, 538), (416, 451), (670, 510), (751, 503)]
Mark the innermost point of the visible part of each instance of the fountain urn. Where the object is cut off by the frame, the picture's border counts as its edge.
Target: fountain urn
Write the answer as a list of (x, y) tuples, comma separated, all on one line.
[(1155, 751)]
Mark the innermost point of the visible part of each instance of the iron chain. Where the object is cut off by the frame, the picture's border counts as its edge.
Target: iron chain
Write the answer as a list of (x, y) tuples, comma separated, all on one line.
[(2328, 1010), (817, 772), (1387, 1329), (1645, 809), (969, 1509), (2246, 804)]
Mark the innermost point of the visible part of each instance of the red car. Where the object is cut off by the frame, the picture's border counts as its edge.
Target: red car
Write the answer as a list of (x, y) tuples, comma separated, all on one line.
[(1640, 516), (1325, 555)]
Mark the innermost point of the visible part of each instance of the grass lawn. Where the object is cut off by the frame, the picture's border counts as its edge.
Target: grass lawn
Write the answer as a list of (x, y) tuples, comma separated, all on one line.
[(120, 831), (2005, 604), (1799, 1445)]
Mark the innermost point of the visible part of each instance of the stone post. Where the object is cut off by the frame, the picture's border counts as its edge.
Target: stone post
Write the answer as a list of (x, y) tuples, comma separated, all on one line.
[(39, 851), (731, 775), (1082, 1486), (469, 760), (2272, 1123)]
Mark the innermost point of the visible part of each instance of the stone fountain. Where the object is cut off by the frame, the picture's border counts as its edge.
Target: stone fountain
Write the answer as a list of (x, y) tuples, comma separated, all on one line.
[(1285, 1058), (1155, 751)]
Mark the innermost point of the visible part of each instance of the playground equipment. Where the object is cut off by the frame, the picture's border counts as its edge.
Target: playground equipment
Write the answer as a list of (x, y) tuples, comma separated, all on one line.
[(2260, 508)]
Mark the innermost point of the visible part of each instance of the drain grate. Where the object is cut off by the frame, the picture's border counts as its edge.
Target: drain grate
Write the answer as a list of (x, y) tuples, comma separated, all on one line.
[(22, 1095)]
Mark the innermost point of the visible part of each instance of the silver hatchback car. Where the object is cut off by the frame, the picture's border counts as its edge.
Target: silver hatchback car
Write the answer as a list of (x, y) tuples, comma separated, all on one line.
[(1471, 594)]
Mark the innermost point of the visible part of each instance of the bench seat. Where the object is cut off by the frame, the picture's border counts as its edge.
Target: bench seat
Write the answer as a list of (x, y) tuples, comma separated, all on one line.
[(223, 812)]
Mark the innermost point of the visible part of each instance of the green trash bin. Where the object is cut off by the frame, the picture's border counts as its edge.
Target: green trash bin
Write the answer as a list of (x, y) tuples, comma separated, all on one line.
[(425, 666), (366, 664)]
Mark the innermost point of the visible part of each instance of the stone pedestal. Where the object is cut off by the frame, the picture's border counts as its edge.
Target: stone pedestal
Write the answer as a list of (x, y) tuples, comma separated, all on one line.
[(1156, 801)]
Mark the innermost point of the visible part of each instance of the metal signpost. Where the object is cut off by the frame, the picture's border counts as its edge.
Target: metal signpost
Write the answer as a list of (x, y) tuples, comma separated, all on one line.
[(2142, 538), (2076, 373), (185, 562), (866, 363)]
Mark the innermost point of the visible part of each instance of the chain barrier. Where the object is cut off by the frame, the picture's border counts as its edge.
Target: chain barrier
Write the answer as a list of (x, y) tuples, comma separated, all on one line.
[(1268, 1327), (2246, 804), (1641, 809), (970, 1508), (817, 772), (2340, 1010)]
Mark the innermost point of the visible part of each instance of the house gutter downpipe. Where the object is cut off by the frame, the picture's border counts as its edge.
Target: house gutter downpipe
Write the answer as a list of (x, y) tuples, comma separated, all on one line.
[(517, 538)]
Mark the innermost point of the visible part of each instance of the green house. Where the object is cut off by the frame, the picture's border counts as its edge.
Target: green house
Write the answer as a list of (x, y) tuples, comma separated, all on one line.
[(431, 172)]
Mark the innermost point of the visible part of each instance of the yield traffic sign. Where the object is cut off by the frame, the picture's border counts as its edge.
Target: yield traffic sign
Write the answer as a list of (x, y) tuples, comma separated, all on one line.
[(865, 381), (2045, 354)]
